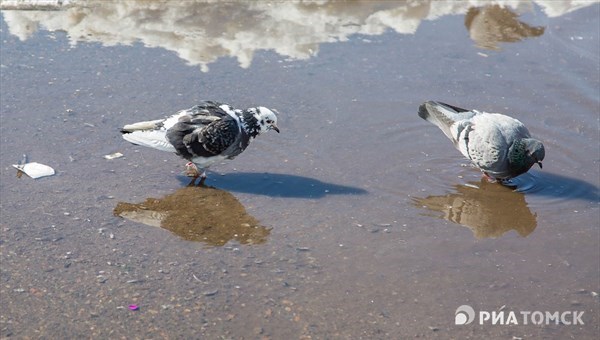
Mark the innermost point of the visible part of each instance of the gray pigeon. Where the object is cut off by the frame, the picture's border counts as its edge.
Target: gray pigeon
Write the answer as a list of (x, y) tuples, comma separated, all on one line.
[(500, 146), (204, 134)]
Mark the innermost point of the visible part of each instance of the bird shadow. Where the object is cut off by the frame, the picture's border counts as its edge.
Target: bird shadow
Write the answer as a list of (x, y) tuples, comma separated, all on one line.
[(547, 184), (277, 185)]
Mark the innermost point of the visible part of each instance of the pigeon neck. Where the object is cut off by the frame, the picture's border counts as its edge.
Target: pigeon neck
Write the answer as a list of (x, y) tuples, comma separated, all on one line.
[(250, 124), (519, 160)]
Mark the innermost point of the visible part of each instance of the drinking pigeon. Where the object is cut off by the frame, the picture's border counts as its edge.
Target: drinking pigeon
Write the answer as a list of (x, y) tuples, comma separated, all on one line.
[(204, 134), (500, 146)]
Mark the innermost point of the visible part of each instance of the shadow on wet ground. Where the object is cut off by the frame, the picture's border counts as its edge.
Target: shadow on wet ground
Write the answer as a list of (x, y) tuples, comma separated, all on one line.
[(543, 183), (279, 185)]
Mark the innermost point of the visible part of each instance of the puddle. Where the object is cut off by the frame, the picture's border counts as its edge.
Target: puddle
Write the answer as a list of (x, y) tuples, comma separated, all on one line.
[(355, 213)]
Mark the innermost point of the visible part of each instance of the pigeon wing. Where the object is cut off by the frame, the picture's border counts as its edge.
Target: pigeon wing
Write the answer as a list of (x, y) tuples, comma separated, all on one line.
[(511, 128), (194, 138), (218, 136), (166, 134), (486, 145)]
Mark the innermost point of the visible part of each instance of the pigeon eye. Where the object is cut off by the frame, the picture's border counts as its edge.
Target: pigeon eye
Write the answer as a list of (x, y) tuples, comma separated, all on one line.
[(269, 121)]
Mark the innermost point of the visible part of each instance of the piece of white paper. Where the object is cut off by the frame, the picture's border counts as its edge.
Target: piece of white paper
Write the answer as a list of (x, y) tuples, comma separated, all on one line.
[(35, 170)]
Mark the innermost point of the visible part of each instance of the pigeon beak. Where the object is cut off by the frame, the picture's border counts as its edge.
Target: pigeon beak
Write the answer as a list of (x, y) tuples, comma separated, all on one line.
[(540, 164), (274, 127)]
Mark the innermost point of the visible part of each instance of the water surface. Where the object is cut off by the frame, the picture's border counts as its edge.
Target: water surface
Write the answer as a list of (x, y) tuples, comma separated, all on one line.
[(371, 224)]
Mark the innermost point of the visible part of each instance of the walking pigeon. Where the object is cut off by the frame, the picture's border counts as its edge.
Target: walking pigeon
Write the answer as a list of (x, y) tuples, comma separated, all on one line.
[(500, 146), (204, 134)]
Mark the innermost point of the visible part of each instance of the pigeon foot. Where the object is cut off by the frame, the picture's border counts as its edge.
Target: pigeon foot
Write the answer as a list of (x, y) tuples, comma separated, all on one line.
[(200, 184), (489, 178), (191, 170)]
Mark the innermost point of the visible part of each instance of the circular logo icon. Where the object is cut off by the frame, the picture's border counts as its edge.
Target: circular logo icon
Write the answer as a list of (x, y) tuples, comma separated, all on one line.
[(464, 315)]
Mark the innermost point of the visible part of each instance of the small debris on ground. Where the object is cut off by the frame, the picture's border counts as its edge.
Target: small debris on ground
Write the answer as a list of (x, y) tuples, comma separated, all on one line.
[(114, 155), (34, 170), (211, 292)]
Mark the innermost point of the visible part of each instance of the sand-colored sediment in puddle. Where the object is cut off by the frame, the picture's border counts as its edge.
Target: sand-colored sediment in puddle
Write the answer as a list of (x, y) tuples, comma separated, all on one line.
[(202, 214)]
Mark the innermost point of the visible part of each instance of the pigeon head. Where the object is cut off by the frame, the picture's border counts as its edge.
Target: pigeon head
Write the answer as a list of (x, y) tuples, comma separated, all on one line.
[(259, 119), (524, 153), (535, 150)]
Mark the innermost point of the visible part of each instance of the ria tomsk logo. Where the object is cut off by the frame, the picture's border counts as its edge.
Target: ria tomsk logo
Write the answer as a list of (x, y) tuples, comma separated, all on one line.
[(464, 315)]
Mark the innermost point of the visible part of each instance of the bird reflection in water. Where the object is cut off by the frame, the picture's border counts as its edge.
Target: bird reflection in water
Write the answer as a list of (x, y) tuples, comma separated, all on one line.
[(201, 214), (494, 24), (488, 209)]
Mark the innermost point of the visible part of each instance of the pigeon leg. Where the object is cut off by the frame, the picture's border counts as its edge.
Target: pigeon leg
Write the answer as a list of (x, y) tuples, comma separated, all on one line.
[(191, 170), (202, 179), (192, 182)]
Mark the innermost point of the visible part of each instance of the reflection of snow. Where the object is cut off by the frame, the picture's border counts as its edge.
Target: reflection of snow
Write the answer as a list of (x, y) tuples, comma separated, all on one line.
[(554, 8), (201, 32)]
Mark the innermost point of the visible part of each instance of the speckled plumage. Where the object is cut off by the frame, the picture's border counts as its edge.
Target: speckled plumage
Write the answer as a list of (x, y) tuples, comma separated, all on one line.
[(204, 134), (497, 144)]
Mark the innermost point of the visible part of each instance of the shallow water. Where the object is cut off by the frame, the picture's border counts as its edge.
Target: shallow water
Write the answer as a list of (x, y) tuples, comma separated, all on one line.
[(373, 225)]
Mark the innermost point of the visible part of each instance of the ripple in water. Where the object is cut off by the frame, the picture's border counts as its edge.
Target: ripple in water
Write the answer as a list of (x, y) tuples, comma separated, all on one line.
[(556, 187)]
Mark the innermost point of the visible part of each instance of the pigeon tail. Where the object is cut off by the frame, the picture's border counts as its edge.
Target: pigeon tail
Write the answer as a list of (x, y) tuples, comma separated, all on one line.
[(148, 125), (155, 139), (444, 115)]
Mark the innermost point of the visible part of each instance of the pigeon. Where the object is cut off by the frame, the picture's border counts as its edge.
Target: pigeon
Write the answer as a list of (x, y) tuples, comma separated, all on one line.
[(207, 133), (499, 145)]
